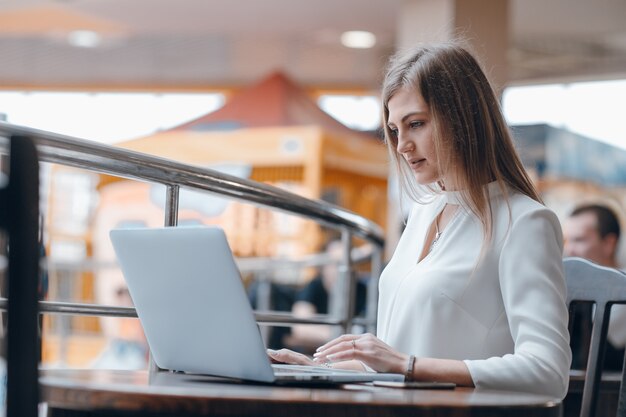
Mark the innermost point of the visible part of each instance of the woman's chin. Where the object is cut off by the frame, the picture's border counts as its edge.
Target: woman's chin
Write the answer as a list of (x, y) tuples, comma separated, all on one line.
[(422, 179)]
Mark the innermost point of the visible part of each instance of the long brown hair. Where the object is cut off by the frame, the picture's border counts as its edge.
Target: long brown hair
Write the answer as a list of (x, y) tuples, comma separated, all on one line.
[(471, 138)]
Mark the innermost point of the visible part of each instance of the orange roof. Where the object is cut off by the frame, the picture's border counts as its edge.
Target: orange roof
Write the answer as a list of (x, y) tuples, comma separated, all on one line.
[(274, 101)]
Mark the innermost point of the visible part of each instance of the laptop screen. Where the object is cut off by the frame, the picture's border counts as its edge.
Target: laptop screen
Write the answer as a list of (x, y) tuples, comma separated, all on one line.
[(191, 301)]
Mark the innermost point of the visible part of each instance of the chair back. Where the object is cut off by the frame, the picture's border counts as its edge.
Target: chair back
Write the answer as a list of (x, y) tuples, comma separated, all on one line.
[(588, 282), (19, 216)]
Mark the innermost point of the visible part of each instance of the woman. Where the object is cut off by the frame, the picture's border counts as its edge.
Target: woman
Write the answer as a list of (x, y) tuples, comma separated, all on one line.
[(474, 293)]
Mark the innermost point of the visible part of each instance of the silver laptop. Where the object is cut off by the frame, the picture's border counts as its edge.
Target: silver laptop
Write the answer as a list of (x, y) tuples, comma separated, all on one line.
[(194, 310)]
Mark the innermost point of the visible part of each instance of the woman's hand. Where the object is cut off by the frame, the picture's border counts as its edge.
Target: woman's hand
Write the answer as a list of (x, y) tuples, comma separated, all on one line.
[(290, 357), (366, 348)]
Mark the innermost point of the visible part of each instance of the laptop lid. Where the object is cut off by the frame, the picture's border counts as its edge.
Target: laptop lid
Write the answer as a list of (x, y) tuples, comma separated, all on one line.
[(191, 301)]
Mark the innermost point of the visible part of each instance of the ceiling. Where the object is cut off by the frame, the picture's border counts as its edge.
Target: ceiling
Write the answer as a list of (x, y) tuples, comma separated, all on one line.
[(202, 44)]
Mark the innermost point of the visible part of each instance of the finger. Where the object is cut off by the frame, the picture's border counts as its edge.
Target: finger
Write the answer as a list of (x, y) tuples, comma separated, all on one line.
[(334, 348), (272, 355), (289, 356), (336, 341), (345, 346), (279, 357), (344, 355)]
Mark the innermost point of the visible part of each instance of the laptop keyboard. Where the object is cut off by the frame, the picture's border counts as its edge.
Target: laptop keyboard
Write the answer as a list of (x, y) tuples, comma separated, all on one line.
[(280, 369)]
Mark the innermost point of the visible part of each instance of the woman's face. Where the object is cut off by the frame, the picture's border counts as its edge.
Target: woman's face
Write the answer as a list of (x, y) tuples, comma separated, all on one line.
[(411, 124)]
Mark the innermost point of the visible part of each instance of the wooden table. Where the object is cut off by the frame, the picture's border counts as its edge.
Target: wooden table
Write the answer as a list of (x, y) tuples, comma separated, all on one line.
[(72, 393)]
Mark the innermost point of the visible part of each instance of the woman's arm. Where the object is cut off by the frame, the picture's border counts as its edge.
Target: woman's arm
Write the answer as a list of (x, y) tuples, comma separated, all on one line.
[(379, 356), (442, 370), (371, 351), (533, 291)]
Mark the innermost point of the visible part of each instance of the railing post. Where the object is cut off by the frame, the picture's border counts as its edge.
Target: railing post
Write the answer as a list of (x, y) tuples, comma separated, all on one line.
[(171, 219), (171, 205), (348, 279), (21, 220), (264, 300), (371, 306), (64, 293)]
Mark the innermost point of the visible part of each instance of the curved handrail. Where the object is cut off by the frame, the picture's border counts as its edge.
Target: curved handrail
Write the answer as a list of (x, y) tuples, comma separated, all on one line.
[(95, 157), (79, 153)]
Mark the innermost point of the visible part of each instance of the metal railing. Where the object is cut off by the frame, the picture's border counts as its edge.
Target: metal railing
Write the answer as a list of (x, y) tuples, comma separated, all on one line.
[(95, 157)]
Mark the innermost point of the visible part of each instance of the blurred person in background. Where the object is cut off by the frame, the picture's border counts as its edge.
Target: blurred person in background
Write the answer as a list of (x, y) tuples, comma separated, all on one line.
[(314, 299), (129, 348), (592, 231)]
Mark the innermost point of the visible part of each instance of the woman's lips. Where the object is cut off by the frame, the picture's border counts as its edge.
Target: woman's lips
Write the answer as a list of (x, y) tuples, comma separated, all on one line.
[(417, 163)]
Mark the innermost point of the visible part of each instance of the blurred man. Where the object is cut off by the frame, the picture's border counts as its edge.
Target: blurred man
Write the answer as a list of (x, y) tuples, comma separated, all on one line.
[(592, 232)]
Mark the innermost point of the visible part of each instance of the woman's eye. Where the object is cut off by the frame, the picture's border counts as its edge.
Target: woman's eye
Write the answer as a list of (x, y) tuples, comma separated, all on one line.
[(394, 132), (415, 124)]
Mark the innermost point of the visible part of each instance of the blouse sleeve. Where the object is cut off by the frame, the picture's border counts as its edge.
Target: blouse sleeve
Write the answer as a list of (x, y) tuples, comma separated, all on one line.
[(533, 291)]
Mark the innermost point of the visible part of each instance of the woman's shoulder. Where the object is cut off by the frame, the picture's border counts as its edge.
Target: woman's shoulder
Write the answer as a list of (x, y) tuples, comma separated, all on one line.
[(523, 202), (528, 226), (524, 208)]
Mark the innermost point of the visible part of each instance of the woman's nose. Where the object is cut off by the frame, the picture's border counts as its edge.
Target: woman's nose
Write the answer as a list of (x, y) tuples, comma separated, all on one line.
[(404, 145)]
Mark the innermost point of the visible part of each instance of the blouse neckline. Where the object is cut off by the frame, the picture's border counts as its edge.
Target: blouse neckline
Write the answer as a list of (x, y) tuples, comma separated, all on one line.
[(456, 198)]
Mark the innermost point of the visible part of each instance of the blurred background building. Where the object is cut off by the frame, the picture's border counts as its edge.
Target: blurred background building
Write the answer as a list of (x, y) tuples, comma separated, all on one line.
[(283, 92)]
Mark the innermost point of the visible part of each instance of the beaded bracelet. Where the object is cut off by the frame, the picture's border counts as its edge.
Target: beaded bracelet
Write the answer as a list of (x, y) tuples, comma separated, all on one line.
[(408, 374)]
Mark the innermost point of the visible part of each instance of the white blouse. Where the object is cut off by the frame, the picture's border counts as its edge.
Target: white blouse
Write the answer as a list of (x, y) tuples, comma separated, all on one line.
[(506, 317)]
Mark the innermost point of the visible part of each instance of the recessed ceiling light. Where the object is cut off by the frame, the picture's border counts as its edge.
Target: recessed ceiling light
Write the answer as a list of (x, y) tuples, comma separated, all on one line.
[(358, 39), (84, 39)]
